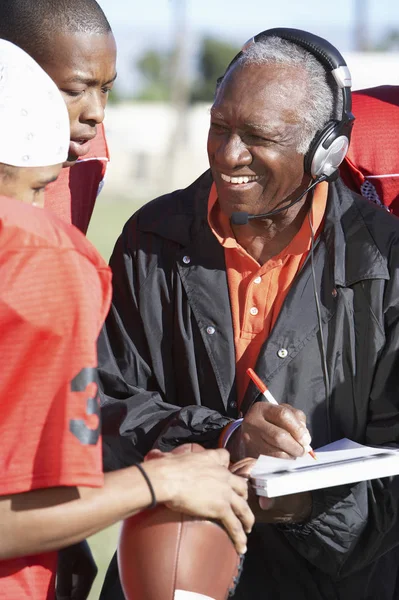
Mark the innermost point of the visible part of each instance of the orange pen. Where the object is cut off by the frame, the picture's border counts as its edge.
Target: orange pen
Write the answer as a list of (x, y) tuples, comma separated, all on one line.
[(269, 397)]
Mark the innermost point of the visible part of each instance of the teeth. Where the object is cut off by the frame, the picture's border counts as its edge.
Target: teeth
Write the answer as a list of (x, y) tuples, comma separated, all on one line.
[(238, 180)]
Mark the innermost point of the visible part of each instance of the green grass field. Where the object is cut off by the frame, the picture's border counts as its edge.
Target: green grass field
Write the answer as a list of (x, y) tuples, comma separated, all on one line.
[(110, 215), (108, 219), (103, 546)]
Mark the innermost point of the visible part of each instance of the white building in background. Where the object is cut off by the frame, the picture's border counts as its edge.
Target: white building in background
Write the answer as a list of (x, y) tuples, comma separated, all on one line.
[(373, 68), (145, 162), (140, 138)]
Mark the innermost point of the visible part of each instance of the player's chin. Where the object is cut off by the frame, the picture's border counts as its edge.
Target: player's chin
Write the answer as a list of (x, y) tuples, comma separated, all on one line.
[(70, 161)]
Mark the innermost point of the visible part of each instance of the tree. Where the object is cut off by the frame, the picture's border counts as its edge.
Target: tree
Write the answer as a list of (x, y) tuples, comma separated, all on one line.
[(114, 96), (390, 41), (154, 68), (214, 58)]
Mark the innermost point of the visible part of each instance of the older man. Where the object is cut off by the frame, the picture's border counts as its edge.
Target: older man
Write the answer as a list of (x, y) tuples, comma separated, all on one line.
[(250, 267)]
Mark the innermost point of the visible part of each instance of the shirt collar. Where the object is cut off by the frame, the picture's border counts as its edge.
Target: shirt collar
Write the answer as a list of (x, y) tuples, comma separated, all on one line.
[(221, 228)]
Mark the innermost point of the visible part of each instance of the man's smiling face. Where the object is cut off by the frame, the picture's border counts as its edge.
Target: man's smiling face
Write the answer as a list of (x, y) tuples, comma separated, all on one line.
[(252, 141)]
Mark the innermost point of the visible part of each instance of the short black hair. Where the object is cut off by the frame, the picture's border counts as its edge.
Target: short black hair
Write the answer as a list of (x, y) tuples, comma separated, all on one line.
[(32, 24)]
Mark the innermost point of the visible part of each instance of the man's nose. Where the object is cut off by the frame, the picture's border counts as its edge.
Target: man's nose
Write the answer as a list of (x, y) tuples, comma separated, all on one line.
[(233, 152), (94, 111)]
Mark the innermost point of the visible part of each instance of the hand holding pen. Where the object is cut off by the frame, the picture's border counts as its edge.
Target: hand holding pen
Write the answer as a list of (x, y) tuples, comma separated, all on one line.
[(272, 429), (270, 398)]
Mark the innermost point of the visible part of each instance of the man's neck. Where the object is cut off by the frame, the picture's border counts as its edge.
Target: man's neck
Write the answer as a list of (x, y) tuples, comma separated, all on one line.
[(265, 238)]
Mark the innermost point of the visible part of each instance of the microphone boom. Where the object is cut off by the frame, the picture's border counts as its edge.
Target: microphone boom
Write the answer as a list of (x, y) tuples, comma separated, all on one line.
[(242, 218)]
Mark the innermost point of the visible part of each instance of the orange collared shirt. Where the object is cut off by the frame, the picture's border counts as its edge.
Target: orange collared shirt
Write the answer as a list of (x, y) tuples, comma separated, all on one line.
[(257, 292)]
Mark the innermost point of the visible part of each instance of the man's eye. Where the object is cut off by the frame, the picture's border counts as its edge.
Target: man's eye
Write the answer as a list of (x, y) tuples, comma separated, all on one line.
[(258, 139), (218, 128), (73, 93)]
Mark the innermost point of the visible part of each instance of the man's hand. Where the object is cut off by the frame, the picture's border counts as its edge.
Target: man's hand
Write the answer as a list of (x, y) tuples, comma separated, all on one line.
[(278, 431), (294, 508), (76, 572), (200, 484)]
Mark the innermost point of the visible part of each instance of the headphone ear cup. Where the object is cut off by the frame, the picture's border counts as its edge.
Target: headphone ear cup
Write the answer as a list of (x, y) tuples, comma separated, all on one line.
[(327, 150)]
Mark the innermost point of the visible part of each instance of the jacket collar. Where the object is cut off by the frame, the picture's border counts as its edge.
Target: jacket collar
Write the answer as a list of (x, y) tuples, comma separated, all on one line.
[(181, 213), (347, 224), (348, 237)]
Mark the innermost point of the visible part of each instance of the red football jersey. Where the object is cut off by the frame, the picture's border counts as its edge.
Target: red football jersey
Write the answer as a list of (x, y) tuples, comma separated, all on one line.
[(371, 167), (54, 295), (73, 195)]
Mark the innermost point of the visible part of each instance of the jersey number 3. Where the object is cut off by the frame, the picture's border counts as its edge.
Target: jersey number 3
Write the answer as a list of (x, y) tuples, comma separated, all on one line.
[(79, 427)]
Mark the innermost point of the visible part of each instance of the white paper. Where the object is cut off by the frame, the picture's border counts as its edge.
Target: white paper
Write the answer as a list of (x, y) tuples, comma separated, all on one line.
[(341, 450)]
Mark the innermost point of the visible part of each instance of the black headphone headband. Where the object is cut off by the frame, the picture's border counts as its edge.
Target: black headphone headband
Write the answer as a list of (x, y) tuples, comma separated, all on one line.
[(321, 48), (330, 145)]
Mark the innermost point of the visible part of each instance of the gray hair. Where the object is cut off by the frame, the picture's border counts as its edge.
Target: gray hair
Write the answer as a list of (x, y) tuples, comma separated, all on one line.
[(323, 99)]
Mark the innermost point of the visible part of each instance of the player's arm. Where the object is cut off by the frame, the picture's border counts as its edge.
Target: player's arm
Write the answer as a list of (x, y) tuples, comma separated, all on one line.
[(49, 519), (52, 489)]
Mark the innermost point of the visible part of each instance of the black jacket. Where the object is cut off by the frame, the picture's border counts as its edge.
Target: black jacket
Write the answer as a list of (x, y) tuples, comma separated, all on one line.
[(167, 367)]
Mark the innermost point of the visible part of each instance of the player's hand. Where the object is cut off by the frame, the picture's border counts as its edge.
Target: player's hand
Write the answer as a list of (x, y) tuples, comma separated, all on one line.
[(293, 508), (200, 484), (278, 431), (76, 572)]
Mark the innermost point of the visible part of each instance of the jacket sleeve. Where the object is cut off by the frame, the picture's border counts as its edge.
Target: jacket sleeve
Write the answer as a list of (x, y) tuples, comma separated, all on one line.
[(351, 526), (134, 402)]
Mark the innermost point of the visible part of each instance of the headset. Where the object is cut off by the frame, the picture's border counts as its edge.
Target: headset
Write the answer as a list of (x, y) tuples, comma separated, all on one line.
[(330, 145)]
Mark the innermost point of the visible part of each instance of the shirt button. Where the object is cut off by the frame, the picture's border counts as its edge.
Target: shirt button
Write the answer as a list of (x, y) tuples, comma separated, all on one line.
[(282, 353), (257, 279), (186, 260), (254, 311), (233, 404), (210, 330)]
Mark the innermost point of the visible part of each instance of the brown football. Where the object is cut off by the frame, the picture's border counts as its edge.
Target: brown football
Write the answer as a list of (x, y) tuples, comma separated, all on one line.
[(166, 555)]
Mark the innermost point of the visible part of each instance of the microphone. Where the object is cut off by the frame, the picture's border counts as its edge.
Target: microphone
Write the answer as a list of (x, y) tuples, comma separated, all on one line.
[(242, 218)]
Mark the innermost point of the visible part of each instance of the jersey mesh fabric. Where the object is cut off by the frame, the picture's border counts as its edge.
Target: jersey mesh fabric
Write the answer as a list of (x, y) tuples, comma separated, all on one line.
[(73, 195), (54, 295), (371, 167)]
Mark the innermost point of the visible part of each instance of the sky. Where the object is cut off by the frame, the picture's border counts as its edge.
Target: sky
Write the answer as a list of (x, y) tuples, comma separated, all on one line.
[(140, 25)]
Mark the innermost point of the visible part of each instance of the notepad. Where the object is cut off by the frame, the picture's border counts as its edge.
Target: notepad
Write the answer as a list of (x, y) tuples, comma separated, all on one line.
[(338, 463)]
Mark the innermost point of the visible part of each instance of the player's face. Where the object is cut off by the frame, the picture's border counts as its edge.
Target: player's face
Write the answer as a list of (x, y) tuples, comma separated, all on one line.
[(27, 184), (84, 68)]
